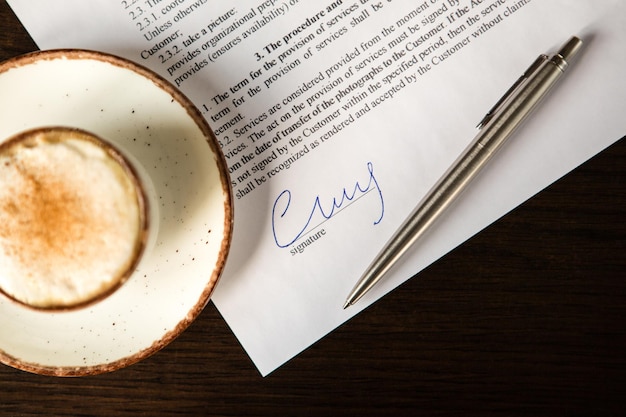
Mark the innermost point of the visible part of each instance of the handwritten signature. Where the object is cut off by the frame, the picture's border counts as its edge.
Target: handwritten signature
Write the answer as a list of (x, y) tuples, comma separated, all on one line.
[(327, 208)]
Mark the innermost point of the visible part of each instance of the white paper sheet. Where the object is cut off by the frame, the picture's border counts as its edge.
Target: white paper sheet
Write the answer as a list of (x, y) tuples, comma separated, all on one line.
[(342, 114)]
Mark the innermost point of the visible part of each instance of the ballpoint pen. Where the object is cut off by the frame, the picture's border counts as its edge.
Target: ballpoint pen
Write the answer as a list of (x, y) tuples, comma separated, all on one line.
[(499, 123)]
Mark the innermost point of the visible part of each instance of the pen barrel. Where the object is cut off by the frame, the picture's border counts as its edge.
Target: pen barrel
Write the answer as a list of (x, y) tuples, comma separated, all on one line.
[(497, 127), (491, 137)]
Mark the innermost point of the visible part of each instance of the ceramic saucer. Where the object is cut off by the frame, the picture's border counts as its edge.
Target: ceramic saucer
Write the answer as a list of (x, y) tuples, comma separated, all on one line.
[(191, 219)]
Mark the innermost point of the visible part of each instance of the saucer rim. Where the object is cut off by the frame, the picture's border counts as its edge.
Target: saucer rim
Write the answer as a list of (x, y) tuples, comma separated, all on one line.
[(228, 202)]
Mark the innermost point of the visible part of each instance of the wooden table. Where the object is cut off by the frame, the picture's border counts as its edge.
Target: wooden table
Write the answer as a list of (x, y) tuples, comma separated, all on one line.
[(526, 318)]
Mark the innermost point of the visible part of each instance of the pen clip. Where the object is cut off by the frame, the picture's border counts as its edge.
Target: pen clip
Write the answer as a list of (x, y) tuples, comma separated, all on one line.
[(521, 80)]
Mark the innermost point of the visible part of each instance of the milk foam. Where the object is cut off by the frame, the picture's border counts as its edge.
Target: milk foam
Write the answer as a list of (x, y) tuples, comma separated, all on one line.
[(71, 220)]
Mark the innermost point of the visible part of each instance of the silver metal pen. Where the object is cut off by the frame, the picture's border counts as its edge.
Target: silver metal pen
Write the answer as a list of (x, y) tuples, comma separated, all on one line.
[(499, 123)]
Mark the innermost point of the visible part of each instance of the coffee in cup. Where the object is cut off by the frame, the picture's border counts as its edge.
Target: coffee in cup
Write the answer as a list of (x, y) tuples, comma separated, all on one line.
[(73, 218)]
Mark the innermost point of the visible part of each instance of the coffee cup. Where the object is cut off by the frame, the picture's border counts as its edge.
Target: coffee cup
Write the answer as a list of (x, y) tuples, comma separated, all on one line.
[(73, 218)]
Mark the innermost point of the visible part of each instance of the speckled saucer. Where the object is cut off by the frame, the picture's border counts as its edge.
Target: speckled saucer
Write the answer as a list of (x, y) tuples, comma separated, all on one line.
[(191, 214)]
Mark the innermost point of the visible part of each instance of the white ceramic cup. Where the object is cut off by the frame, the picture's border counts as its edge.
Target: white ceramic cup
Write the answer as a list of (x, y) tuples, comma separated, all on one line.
[(73, 218)]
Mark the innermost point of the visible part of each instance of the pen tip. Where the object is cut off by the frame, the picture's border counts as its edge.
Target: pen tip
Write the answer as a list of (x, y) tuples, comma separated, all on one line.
[(347, 304)]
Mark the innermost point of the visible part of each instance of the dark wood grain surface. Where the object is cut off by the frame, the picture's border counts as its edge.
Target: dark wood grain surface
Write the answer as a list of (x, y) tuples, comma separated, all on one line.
[(526, 318)]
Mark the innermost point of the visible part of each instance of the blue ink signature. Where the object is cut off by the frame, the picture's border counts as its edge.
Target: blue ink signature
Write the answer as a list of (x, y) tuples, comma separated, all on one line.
[(327, 210)]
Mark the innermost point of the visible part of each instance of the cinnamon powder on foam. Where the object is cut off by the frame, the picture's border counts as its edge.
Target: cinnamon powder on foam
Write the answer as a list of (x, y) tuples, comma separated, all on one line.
[(70, 220)]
